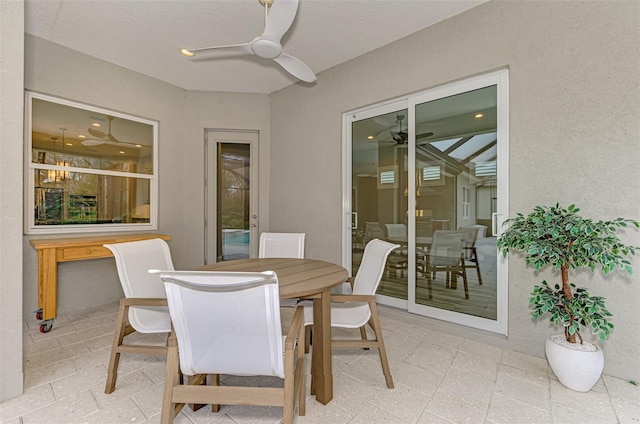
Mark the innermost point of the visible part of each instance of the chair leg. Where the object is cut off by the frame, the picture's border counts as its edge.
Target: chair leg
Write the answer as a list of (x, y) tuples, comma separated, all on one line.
[(375, 324), (464, 280), (302, 395), (172, 379), (114, 359), (289, 401), (477, 262), (215, 381), (197, 380), (430, 293), (308, 340), (363, 335), (307, 337)]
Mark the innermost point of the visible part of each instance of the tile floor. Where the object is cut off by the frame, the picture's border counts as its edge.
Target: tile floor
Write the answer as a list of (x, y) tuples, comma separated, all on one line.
[(439, 378)]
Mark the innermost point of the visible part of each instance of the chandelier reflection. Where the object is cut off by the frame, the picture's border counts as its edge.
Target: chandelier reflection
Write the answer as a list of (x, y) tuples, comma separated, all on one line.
[(58, 176)]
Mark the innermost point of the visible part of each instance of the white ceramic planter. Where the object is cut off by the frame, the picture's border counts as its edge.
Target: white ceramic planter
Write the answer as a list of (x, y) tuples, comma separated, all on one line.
[(577, 369)]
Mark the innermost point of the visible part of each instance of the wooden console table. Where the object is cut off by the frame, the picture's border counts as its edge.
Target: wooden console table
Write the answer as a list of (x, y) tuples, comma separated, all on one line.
[(54, 250)]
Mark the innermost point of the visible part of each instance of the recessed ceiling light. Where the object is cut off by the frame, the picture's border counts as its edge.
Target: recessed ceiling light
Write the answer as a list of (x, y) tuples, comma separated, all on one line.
[(138, 145), (68, 144), (478, 115), (81, 136), (95, 124), (121, 152), (369, 137)]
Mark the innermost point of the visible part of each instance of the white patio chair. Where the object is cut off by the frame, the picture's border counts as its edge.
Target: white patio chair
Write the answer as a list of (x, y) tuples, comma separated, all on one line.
[(359, 308), (229, 323), (281, 245), (144, 307)]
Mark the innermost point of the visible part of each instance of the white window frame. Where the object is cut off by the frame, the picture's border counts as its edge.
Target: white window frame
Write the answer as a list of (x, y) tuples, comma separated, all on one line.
[(30, 226)]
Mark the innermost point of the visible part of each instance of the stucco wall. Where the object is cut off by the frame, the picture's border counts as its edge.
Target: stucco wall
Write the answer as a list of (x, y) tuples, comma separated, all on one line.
[(574, 133), (182, 117), (11, 101)]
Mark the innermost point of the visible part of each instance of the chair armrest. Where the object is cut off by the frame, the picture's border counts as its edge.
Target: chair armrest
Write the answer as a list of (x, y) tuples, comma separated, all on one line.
[(351, 281), (343, 298), (294, 328), (143, 301)]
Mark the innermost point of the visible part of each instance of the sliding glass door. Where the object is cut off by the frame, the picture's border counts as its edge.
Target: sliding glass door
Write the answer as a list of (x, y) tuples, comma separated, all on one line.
[(429, 173), (379, 184)]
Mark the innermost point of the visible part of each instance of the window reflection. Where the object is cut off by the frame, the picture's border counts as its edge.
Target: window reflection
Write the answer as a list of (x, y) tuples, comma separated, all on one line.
[(90, 199), (89, 166)]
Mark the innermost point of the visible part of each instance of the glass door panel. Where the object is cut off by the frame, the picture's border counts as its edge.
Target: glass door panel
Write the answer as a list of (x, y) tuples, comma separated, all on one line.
[(460, 186), (456, 152), (379, 193), (231, 226), (234, 164)]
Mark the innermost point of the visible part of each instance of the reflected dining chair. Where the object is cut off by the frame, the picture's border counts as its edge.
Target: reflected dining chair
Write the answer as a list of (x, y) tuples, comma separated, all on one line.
[(281, 245), (358, 309), (144, 307), (446, 255), (398, 261), (229, 323), (470, 234)]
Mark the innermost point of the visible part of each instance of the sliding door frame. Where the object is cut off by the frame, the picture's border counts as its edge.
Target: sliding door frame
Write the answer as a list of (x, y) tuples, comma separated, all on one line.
[(500, 78)]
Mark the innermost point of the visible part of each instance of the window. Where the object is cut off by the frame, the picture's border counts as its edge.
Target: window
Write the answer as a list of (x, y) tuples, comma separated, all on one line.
[(88, 169), (466, 203), (432, 176), (387, 177)]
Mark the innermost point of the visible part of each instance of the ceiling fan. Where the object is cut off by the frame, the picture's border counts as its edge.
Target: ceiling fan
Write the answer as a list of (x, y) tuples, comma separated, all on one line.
[(267, 45), (398, 135), (102, 138)]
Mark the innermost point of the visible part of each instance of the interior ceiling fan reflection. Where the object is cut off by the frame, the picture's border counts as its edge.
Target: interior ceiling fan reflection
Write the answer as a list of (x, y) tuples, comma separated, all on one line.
[(102, 138), (279, 15), (399, 135)]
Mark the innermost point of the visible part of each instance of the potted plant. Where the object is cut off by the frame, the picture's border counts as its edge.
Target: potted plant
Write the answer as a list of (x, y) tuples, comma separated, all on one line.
[(560, 237)]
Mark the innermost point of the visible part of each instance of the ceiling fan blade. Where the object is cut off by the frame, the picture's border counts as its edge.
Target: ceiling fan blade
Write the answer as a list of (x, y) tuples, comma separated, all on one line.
[(384, 136), (96, 133), (91, 143), (281, 16), (296, 67), (243, 48)]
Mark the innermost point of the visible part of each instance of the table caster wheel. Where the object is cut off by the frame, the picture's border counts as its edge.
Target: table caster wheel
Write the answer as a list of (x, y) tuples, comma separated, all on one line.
[(46, 326), (39, 314)]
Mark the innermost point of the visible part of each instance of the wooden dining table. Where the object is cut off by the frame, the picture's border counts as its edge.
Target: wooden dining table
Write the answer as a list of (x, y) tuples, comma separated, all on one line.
[(304, 279)]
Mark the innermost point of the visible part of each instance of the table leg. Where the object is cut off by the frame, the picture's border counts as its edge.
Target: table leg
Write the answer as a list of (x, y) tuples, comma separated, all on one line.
[(47, 283), (321, 355)]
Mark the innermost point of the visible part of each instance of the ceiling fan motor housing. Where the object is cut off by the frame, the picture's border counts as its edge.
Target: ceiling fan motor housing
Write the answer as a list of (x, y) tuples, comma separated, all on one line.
[(265, 48)]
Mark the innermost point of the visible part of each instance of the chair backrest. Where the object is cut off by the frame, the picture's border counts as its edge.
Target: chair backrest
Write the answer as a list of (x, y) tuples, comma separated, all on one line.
[(396, 230), (133, 260), (372, 230), (281, 245), (226, 322), (446, 248), (469, 235), (372, 266)]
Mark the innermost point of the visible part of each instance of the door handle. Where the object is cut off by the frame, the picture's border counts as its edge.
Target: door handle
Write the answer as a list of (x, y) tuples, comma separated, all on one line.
[(494, 224)]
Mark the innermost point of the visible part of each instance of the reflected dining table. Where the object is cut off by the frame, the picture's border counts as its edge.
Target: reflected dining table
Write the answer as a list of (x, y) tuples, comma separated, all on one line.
[(305, 279)]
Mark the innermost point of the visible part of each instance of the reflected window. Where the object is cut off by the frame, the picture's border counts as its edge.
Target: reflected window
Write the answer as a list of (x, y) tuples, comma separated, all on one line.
[(88, 168)]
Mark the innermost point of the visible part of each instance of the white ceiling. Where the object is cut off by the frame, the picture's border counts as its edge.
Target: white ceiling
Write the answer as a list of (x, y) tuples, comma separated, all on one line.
[(145, 35)]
